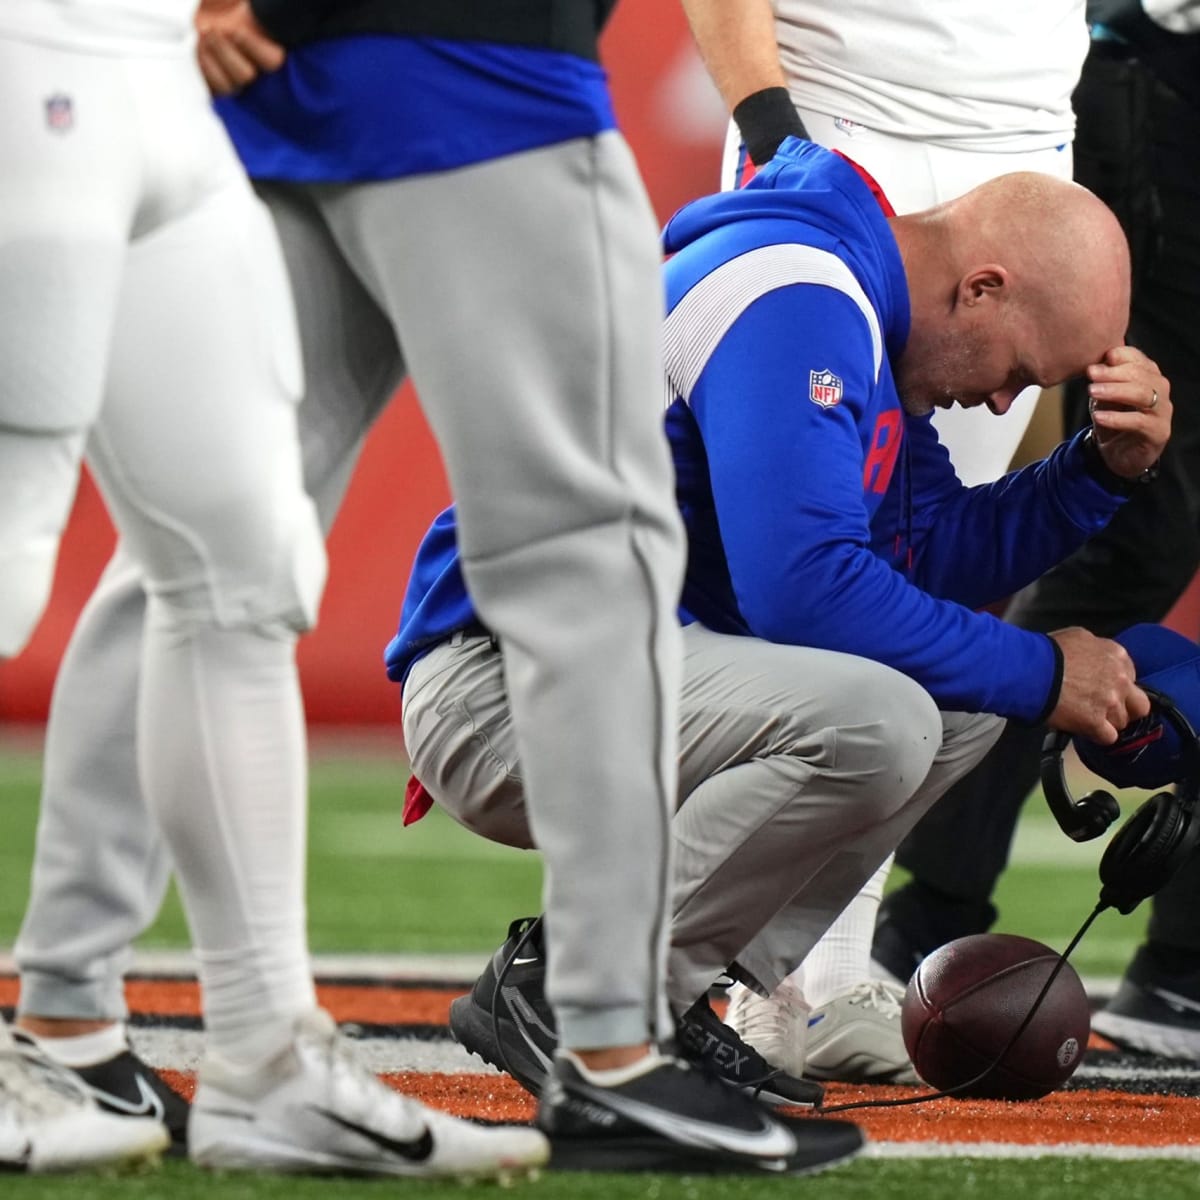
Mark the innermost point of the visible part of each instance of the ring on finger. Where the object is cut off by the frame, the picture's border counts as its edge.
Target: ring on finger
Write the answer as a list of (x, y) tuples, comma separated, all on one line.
[(1153, 399)]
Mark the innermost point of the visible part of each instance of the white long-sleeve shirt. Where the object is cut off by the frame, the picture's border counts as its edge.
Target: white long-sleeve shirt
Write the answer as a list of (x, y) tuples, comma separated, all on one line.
[(100, 26), (987, 74)]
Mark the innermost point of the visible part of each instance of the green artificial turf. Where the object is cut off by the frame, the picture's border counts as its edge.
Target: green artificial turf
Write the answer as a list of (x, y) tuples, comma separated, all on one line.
[(909, 1179), (375, 886)]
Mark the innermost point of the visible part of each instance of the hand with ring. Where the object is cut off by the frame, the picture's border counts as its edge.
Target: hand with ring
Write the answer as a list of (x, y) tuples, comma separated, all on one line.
[(1130, 404)]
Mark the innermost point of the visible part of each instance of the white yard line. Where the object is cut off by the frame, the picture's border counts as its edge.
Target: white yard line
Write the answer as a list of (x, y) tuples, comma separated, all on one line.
[(444, 968), (1010, 1150), (180, 1050)]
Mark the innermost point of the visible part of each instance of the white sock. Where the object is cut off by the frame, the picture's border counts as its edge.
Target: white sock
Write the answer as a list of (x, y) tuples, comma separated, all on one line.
[(842, 957), (85, 1049)]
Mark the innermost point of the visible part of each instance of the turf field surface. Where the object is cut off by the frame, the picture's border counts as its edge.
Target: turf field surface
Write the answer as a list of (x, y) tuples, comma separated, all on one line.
[(1126, 1128)]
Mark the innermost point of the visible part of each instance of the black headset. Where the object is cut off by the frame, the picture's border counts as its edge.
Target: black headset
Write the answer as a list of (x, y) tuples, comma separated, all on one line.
[(1151, 846)]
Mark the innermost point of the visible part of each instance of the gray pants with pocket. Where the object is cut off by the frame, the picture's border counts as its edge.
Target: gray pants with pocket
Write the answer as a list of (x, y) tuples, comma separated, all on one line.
[(800, 771)]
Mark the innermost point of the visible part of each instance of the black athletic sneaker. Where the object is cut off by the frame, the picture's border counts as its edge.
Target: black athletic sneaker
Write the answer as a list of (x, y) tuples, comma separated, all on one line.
[(127, 1086), (1157, 1006), (672, 1117), (704, 1039), (915, 920), (518, 1033)]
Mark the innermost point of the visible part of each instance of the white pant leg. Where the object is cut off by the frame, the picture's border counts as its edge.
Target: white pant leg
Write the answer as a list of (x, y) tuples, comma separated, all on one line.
[(100, 866), (40, 472), (66, 204), (195, 451)]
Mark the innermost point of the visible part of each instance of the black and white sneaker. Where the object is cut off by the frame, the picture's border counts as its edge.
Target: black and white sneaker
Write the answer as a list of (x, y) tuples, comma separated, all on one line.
[(703, 1038), (129, 1087), (316, 1108), (1156, 1009), (49, 1122), (517, 1033), (661, 1114)]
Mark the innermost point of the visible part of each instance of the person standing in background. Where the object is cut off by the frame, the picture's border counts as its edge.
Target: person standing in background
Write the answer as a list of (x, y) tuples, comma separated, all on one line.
[(930, 101), (1138, 149)]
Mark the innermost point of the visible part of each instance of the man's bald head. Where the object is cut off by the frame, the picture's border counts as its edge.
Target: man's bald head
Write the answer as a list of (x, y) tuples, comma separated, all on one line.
[(1023, 280)]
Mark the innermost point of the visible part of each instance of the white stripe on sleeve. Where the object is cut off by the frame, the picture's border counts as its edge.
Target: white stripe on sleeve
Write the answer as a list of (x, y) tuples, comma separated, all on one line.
[(696, 325)]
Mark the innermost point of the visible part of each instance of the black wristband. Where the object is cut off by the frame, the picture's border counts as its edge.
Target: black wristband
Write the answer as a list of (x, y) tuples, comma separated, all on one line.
[(1055, 685), (1107, 478), (764, 119)]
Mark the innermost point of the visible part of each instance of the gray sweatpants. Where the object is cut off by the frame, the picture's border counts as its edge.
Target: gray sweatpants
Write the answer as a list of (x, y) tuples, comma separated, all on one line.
[(799, 772), (524, 296)]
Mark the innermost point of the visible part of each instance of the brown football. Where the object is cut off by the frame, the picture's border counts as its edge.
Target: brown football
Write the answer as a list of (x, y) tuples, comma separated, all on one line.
[(967, 999)]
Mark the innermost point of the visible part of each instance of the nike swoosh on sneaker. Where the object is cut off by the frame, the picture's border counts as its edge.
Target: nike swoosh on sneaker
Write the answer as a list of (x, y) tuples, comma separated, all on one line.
[(771, 1143), (149, 1103), (816, 1019), (416, 1150), (1180, 1004), (522, 962)]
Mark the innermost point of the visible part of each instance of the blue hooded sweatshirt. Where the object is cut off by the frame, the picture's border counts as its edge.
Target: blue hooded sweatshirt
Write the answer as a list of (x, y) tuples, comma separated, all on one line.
[(818, 513)]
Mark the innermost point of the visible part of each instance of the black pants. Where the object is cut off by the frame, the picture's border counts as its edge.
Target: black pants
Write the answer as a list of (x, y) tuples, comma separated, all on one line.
[(1138, 148)]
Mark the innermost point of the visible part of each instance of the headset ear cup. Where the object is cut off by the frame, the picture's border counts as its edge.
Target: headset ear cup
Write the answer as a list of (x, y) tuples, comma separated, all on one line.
[(1101, 808), (1146, 851)]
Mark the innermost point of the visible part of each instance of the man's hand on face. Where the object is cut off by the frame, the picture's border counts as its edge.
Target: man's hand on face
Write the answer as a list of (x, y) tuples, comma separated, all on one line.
[(1099, 694), (1131, 410), (232, 47)]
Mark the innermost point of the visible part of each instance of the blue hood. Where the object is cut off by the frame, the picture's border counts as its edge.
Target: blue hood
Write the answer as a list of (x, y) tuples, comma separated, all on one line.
[(822, 191)]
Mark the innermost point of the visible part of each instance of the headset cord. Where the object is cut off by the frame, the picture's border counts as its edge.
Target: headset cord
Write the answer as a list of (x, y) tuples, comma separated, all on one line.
[(1012, 1041)]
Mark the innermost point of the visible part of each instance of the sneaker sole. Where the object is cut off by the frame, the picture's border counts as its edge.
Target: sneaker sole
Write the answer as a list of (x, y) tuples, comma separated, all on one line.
[(1150, 1037), (248, 1154), (776, 1100), (145, 1156), (655, 1154), (472, 1029), (841, 1073)]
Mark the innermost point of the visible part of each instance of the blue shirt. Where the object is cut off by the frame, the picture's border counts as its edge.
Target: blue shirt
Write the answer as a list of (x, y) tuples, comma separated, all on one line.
[(376, 107), (819, 513)]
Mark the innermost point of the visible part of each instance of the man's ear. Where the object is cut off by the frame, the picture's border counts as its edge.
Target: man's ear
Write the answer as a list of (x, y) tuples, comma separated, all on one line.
[(988, 282)]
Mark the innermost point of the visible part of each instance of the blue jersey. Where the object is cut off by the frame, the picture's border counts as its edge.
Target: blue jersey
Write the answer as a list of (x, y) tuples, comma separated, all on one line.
[(371, 107), (818, 513)]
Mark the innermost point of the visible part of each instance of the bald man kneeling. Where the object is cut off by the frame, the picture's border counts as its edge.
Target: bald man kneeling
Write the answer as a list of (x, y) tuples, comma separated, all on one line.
[(838, 674)]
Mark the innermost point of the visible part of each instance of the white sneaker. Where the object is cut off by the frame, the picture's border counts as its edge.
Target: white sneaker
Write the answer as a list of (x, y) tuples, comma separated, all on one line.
[(49, 1122), (856, 1038), (316, 1108), (776, 1026)]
